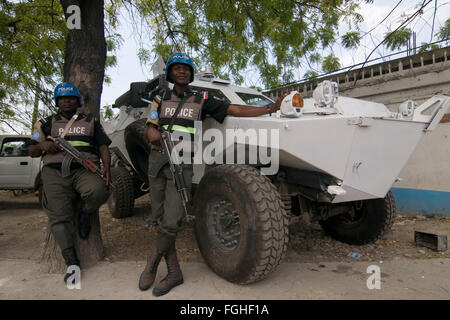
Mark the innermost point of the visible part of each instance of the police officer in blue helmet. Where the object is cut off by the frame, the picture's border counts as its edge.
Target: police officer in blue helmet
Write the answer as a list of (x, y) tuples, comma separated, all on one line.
[(65, 180), (167, 210)]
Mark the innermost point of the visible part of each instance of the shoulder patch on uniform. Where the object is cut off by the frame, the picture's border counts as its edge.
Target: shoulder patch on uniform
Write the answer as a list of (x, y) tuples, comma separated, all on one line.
[(36, 135), (153, 115), (157, 98), (205, 95)]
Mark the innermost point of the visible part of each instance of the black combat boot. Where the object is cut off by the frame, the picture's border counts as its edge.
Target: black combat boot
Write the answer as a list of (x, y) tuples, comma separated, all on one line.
[(174, 276), (149, 274), (71, 259), (84, 223)]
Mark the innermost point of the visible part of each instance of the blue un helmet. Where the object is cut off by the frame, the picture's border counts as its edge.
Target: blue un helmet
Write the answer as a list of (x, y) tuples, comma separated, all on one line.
[(179, 57), (66, 89)]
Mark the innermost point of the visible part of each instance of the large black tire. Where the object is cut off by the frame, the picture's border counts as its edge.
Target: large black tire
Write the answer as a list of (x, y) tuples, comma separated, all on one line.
[(121, 201), (138, 147), (240, 224), (367, 222)]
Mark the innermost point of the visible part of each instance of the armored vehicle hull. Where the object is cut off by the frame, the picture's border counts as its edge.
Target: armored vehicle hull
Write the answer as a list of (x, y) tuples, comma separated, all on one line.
[(330, 159)]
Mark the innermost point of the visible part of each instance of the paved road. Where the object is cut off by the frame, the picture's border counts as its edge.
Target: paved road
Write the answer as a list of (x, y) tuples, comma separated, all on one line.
[(400, 279)]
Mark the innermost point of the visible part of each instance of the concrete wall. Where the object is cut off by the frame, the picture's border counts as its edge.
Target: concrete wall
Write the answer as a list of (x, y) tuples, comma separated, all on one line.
[(417, 77), (429, 166), (425, 187)]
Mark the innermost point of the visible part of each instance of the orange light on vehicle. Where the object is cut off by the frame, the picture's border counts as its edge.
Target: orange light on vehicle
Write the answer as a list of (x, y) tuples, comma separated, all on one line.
[(297, 100)]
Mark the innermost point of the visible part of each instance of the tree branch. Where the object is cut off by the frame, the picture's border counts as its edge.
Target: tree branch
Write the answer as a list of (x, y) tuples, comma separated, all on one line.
[(171, 33)]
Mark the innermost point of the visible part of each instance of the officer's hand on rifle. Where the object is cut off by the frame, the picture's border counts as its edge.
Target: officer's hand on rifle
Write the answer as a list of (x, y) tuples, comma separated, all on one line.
[(153, 135), (48, 147), (106, 173)]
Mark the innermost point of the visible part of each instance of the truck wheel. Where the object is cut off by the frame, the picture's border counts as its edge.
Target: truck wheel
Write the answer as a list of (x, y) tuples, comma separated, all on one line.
[(366, 222), (138, 147), (121, 201), (240, 224)]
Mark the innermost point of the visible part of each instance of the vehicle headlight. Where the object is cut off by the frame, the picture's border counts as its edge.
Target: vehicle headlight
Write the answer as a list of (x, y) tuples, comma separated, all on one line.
[(326, 94), (297, 100), (292, 105)]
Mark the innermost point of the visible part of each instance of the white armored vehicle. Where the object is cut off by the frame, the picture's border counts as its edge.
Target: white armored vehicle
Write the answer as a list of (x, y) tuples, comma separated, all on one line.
[(332, 159)]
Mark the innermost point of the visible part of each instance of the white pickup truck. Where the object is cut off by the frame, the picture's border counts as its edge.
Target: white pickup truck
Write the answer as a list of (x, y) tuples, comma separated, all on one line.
[(17, 169)]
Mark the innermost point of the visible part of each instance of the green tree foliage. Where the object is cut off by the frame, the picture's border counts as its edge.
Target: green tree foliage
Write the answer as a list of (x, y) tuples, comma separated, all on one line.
[(106, 113), (330, 63), (32, 47), (310, 75), (31, 50), (424, 47), (397, 39), (444, 32), (230, 35), (351, 40), (113, 42)]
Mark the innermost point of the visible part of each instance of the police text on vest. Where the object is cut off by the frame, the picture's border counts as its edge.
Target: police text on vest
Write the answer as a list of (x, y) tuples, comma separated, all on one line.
[(184, 112), (73, 130)]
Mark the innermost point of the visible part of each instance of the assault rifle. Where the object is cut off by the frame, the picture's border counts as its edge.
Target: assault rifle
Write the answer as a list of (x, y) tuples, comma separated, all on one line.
[(76, 155), (177, 171)]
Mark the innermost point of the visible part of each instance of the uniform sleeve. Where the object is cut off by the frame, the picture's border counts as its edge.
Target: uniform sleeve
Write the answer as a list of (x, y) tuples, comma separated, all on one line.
[(100, 136), (216, 108), (153, 116), (41, 130)]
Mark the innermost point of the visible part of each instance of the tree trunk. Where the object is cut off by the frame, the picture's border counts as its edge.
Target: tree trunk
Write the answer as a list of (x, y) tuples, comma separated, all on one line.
[(85, 55), (36, 103), (84, 66), (89, 251)]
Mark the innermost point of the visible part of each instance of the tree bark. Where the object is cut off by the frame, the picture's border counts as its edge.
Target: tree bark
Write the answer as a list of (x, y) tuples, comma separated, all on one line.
[(85, 54), (36, 103), (84, 66), (89, 251)]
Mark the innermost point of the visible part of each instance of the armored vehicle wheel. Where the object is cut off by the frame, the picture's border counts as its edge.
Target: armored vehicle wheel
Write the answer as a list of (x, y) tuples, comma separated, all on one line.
[(121, 201), (240, 224), (366, 222), (138, 147)]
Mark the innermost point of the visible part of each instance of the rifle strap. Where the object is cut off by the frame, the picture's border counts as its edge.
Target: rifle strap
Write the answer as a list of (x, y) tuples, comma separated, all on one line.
[(67, 160), (69, 124), (177, 111)]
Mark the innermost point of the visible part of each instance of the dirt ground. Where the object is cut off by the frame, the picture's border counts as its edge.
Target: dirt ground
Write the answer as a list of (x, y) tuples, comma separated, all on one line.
[(23, 225)]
